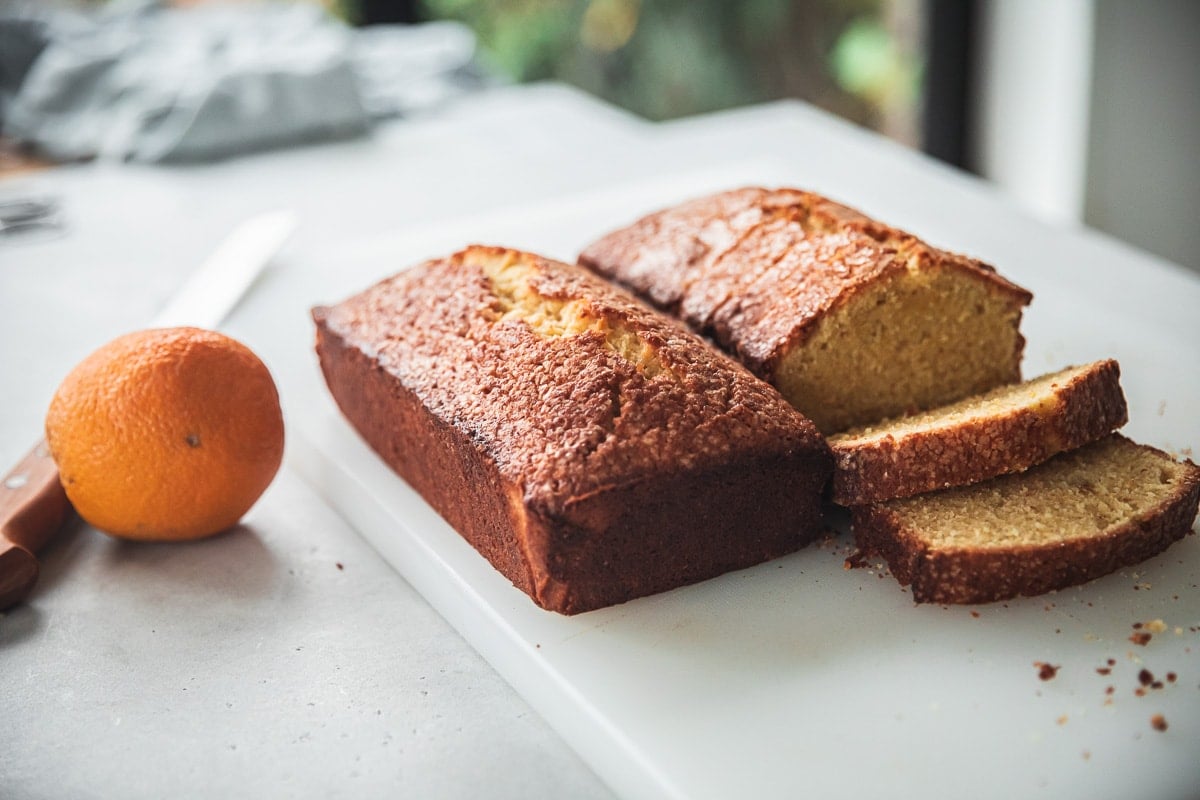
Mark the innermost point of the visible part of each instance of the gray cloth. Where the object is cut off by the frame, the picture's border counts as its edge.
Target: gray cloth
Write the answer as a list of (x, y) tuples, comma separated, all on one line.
[(203, 83)]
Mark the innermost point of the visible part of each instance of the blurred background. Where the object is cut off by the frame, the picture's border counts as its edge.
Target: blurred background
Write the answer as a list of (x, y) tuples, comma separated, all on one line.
[(1085, 111)]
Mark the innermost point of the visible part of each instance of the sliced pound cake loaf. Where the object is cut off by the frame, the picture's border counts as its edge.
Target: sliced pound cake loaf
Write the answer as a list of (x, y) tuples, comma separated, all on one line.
[(853, 320), (1006, 430), (1076, 517)]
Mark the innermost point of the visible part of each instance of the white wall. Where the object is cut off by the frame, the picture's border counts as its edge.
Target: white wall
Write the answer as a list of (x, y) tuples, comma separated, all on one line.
[(1089, 111), (1143, 169), (1031, 116)]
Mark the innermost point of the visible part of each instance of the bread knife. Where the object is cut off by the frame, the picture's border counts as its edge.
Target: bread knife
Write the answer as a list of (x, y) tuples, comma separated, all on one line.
[(33, 506)]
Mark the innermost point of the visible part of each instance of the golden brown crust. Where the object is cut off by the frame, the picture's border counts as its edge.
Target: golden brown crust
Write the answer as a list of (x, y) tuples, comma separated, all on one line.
[(1089, 406), (425, 449), (758, 268), (985, 575), (586, 477)]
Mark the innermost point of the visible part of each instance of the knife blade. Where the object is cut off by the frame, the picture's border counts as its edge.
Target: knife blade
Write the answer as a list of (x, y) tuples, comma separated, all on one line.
[(33, 505)]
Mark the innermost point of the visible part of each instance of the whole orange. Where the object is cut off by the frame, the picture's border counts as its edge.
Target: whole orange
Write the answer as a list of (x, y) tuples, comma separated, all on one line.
[(166, 434)]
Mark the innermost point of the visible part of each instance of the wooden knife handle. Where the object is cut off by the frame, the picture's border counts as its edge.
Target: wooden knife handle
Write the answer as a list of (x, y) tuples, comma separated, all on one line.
[(33, 506)]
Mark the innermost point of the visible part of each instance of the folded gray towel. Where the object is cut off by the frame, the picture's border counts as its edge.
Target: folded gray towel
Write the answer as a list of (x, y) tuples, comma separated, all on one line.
[(184, 85)]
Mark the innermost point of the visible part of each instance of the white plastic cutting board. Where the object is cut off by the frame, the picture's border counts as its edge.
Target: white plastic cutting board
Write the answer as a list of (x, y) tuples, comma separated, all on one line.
[(798, 677)]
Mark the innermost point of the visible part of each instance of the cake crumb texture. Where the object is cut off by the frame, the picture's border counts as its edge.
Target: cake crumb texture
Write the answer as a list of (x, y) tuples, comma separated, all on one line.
[(1078, 516), (1006, 430)]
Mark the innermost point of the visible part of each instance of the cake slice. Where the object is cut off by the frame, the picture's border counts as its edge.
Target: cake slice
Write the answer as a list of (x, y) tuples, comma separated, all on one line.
[(1008, 429), (1080, 515), (854, 321), (591, 449)]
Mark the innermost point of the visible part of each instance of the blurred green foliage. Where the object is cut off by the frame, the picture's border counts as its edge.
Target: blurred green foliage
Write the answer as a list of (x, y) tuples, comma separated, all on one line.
[(671, 58), (869, 62)]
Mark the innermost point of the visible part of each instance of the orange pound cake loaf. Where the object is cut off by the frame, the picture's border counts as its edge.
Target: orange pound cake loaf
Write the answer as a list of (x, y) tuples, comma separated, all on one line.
[(591, 449), (852, 320)]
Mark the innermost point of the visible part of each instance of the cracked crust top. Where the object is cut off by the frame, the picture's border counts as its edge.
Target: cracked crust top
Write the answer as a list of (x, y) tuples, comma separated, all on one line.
[(758, 268), (569, 384)]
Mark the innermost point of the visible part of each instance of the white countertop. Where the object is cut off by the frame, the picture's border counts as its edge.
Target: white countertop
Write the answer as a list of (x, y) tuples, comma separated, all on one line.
[(286, 658), (251, 665)]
